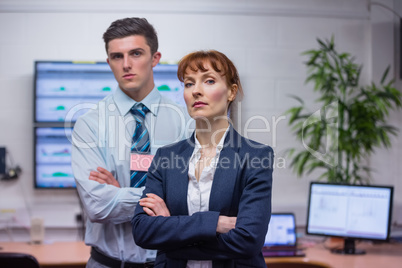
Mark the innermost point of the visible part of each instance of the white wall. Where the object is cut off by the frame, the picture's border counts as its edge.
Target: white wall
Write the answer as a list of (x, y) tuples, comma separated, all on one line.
[(384, 28), (263, 38)]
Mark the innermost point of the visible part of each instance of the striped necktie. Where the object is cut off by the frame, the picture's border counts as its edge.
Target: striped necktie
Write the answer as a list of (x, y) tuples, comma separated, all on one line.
[(140, 144)]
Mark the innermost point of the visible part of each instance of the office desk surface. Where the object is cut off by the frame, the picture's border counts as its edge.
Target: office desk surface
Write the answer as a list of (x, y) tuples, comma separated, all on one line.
[(377, 256), (69, 254), (57, 254)]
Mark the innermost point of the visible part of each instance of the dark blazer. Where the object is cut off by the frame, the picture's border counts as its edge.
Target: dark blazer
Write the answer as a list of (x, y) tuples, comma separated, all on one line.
[(241, 187)]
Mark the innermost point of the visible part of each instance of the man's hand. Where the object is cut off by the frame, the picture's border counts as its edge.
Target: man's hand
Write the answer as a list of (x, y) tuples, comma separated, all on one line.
[(225, 224), (153, 205), (103, 176)]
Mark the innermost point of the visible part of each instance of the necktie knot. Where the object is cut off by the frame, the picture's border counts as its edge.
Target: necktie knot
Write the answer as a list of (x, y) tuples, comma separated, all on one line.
[(139, 111)]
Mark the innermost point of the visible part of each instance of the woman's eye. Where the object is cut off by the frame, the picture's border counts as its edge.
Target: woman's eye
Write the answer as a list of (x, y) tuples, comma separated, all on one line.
[(187, 85), (210, 82)]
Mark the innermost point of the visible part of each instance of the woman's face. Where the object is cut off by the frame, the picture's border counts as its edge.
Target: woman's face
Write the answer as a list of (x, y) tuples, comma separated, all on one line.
[(207, 94)]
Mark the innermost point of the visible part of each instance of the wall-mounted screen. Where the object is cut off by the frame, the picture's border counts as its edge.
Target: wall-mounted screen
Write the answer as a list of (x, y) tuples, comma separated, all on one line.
[(66, 90), (53, 158), (61, 86), (165, 77)]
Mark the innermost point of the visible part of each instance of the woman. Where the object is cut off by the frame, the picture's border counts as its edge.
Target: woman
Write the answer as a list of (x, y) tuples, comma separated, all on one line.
[(207, 201)]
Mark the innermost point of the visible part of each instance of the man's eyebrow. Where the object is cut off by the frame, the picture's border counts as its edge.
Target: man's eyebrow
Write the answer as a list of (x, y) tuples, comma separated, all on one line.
[(136, 49), (115, 53), (130, 51)]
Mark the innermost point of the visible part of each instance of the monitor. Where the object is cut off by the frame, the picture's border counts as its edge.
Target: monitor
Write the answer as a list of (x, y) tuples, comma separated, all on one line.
[(60, 87), (281, 230), (52, 168), (349, 211), (65, 90)]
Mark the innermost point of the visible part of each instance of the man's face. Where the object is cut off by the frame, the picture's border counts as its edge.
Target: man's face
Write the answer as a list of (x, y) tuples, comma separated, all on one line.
[(131, 61)]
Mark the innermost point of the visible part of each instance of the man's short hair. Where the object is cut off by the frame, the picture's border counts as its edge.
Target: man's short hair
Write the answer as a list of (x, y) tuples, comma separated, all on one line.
[(132, 26)]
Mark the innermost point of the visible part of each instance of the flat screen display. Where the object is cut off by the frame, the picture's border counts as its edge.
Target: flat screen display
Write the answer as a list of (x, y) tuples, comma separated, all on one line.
[(66, 90), (53, 158), (60, 88), (350, 211), (281, 230)]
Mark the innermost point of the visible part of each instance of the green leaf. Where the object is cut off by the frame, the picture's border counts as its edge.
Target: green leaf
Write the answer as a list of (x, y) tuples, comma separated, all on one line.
[(384, 76), (323, 45)]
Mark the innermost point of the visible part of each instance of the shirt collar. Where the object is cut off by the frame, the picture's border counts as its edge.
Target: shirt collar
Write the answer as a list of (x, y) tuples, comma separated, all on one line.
[(219, 147), (124, 102)]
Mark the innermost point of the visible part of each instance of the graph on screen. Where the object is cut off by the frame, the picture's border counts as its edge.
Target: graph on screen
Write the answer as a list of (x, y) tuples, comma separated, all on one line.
[(53, 158), (65, 91), (349, 211)]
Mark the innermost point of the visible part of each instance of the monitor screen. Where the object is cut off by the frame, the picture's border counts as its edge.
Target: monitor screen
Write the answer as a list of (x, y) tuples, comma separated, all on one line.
[(66, 90), (350, 211), (281, 230), (53, 158), (60, 88)]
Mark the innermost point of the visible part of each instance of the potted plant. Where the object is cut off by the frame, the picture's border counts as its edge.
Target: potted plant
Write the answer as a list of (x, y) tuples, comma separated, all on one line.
[(352, 122)]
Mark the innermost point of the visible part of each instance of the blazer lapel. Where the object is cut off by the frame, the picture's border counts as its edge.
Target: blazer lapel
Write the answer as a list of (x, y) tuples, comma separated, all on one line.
[(178, 189), (225, 174)]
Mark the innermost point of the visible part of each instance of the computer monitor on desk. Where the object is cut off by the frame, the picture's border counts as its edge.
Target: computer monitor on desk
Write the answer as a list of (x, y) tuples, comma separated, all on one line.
[(349, 211)]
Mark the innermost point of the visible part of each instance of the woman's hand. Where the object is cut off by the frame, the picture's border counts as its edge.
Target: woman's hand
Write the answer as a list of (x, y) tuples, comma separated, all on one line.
[(103, 176), (153, 205), (225, 224)]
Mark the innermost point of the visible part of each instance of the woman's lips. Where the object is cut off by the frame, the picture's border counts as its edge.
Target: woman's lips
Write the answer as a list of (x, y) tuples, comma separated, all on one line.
[(199, 104)]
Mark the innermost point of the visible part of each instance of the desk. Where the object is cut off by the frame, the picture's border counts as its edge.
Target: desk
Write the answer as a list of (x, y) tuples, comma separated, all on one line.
[(76, 254), (377, 256), (57, 254)]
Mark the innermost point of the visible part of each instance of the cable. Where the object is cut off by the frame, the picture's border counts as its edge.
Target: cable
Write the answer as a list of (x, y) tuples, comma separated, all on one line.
[(384, 6), (11, 174), (24, 196), (16, 171)]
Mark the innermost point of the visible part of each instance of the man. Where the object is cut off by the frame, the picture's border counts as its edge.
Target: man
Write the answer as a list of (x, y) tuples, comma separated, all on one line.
[(102, 143)]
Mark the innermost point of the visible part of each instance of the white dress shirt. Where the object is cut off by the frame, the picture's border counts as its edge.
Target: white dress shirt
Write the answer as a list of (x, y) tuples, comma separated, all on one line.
[(102, 138), (199, 191)]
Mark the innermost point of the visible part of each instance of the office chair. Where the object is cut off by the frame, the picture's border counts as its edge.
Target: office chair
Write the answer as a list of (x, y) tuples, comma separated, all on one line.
[(286, 263), (17, 260)]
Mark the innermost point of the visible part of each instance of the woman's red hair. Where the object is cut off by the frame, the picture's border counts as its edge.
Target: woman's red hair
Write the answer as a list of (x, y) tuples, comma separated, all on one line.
[(196, 61)]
